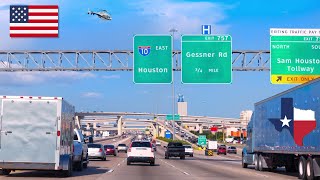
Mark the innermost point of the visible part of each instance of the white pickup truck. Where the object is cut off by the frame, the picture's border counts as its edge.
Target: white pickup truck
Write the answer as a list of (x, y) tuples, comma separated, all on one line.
[(80, 151)]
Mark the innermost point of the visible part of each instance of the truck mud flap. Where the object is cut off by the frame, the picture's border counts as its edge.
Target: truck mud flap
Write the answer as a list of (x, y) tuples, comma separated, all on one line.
[(316, 166), (64, 161)]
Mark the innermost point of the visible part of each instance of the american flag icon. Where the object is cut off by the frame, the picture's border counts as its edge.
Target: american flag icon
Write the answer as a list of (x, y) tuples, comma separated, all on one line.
[(34, 21)]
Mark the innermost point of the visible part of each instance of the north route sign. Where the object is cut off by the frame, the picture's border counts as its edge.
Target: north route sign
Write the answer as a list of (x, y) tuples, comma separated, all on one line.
[(294, 55)]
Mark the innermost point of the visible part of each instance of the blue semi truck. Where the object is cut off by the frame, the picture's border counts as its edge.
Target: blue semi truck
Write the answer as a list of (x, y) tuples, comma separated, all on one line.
[(284, 130)]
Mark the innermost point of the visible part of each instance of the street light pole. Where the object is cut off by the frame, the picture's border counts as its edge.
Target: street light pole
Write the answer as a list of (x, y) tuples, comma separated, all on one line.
[(173, 30)]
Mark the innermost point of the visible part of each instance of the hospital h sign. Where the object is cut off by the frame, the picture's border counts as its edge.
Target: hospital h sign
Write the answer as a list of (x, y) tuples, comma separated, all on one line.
[(206, 29)]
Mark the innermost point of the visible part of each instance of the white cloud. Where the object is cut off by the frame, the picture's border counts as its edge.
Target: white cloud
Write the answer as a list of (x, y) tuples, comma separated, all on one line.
[(111, 76), (91, 94), (32, 78), (187, 17)]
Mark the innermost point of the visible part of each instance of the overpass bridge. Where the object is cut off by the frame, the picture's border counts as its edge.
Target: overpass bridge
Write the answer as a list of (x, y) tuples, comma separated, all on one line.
[(155, 121), (110, 60)]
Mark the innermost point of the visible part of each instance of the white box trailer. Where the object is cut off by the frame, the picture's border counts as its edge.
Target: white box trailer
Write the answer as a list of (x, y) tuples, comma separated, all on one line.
[(36, 134)]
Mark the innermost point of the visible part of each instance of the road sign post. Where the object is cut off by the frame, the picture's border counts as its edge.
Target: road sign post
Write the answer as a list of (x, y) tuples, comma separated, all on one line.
[(206, 59), (202, 140), (152, 59), (294, 55)]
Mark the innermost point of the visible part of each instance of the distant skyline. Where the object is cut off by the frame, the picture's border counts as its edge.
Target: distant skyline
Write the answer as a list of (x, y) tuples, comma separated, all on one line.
[(248, 22)]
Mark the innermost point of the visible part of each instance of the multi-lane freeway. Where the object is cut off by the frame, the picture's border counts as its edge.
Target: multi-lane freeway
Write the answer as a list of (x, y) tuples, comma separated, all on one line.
[(197, 167)]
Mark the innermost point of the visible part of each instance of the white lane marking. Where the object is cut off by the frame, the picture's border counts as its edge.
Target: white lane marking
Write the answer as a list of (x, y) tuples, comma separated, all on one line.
[(119, 164), (175, 167), (261, 175), (186, 173), (110, 171)]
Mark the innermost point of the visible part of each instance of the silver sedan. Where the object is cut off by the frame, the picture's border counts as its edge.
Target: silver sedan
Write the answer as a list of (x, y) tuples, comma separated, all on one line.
[(96, 151)]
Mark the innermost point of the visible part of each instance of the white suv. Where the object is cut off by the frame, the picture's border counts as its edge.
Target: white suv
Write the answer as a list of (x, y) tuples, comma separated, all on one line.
[(141, 151)]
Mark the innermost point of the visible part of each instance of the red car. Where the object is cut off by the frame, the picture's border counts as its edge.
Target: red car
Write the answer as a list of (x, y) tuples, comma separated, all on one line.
[(222, 150), (110, 150)]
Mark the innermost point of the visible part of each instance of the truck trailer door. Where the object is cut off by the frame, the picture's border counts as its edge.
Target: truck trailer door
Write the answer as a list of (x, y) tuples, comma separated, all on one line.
[(28, 130)]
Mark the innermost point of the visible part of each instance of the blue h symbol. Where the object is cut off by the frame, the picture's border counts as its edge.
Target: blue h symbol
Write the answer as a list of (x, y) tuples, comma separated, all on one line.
[(206, 29)]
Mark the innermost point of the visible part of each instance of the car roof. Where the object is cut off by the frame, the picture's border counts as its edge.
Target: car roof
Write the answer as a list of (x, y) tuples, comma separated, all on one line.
[(141, 141)]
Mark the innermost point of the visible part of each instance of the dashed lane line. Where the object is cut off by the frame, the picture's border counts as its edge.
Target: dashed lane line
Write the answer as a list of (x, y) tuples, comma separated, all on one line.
[(183, 172)]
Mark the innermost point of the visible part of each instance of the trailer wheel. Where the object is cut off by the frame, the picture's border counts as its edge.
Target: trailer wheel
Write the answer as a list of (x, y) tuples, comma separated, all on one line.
[(302, 168), (260, 166), (256, 162), (309, 169), (6, 171)]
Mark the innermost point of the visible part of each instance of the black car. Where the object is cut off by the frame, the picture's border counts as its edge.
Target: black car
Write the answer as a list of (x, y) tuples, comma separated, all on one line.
[(175, 149)]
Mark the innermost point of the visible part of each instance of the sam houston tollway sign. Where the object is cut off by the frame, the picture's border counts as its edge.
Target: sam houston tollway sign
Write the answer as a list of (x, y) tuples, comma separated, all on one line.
[(294, 55)]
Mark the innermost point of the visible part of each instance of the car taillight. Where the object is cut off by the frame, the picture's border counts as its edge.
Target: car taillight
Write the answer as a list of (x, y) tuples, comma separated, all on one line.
[(100, 150)]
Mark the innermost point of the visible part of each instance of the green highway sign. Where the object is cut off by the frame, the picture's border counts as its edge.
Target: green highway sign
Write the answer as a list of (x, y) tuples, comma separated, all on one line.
[(152, 59), (171, 117), (202, 140), (206, 59), (294, 55)]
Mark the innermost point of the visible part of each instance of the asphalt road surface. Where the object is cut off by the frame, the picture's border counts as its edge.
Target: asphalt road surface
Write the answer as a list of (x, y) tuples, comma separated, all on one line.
[(197, 167)]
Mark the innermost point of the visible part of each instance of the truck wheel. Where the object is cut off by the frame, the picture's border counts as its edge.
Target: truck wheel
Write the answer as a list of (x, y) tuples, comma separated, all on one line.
[(309, 169), (182, 157), (191, 155), (128, 162), (6, 171), (166, 157), (260, 163), (244, 165), (85, 165), (256, 164), (302, 168), (79, 165)]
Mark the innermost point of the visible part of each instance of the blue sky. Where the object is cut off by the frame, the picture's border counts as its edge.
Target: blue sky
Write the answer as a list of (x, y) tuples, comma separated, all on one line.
[(248, 23)]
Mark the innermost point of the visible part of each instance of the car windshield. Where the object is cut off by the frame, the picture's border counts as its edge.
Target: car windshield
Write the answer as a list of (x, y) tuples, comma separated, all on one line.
[(94, 146), (140, 144), (121, 145), (109, 146), (232, 147), (187, 146)]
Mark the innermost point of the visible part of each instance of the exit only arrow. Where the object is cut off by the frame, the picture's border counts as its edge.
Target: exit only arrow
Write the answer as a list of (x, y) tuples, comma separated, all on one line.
[(279, 78)]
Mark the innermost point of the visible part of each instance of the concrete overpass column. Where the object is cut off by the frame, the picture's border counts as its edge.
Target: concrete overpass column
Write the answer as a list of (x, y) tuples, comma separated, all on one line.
[(77, 124), (200, 129), (162, 131), (119, 122), (157, 130), (94, 129)]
